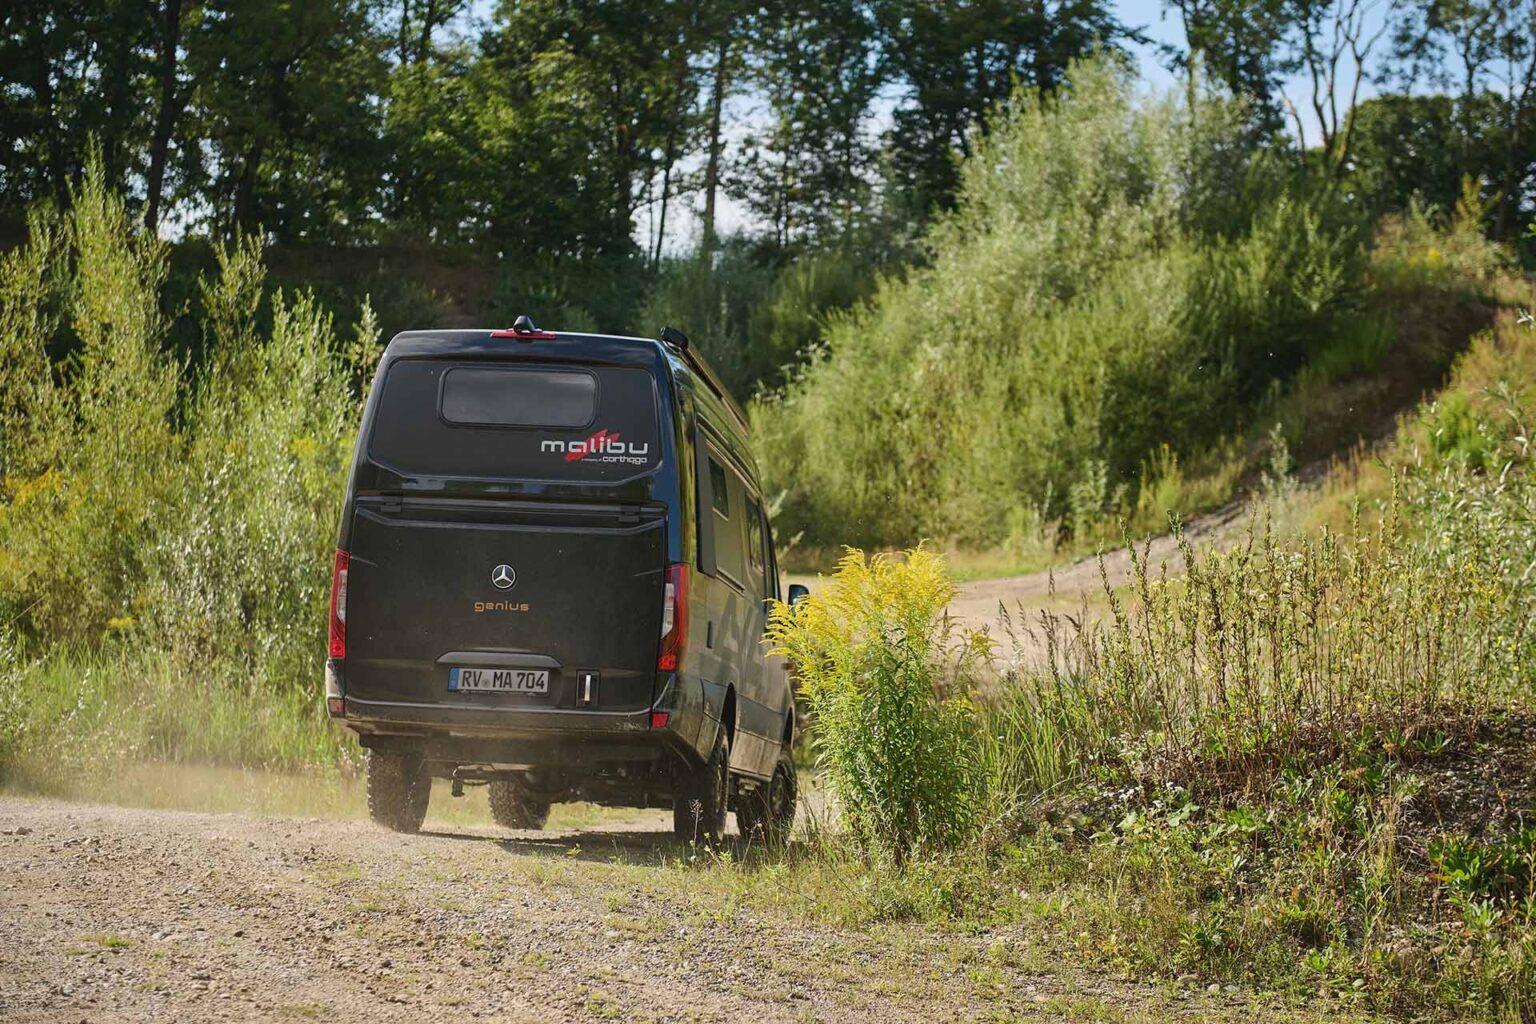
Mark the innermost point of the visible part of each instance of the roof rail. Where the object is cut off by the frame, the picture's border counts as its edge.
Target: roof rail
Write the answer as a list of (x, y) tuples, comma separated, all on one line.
[(677, 341)]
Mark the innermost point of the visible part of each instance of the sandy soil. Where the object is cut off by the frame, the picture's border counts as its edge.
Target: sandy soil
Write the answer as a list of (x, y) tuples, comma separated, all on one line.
[(113, 914)]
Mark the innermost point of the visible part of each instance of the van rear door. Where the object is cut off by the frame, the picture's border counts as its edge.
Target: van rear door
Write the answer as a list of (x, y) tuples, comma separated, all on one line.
[(503, 555)]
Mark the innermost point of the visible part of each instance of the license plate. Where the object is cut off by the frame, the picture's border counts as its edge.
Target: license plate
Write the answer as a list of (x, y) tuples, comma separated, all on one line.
[(499, 680)]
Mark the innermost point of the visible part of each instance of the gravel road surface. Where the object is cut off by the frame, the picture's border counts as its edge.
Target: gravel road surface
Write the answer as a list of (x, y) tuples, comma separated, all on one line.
[(116, 914)]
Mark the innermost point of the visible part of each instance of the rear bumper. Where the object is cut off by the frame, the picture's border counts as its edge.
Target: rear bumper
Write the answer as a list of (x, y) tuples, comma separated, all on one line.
[(520, 735), (389, 718), (517, 737)]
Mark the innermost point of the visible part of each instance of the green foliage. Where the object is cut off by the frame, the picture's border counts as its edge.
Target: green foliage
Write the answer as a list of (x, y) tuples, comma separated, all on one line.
[(806, 173), (190, 517), (1120, 274), (889, 690), (717, 304), (756, 323), (1473, 869), (88, 445)]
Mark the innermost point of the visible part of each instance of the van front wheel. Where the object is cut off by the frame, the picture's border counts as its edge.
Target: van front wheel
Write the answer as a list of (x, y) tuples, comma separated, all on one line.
[(698, 808), (398, 789), (512, 807)]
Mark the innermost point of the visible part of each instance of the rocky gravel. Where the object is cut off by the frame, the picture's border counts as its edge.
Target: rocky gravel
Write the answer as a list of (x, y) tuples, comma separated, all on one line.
[(118, 914)]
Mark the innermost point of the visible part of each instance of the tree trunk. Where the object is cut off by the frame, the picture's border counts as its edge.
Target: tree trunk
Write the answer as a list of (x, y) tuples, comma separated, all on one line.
[(166, 117), (245, 188), (403, 45), (42, 84), (428, 23), (666, 193), (1508, 200), (669, 154), (712, 168)]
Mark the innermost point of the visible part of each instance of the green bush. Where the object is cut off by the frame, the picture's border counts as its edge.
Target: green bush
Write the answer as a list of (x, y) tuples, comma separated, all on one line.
[(716, 304), (1121, 273), (756, 323), (888, 687), (184, 512)]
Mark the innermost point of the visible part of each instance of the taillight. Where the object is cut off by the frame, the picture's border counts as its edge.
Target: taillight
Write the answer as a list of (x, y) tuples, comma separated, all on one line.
[(339, 605), (674, 618)]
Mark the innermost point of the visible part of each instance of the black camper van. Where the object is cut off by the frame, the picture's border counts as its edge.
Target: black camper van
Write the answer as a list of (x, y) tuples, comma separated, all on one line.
[(552, 578)]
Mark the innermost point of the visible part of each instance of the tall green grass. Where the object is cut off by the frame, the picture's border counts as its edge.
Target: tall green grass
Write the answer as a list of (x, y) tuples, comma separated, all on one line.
[(1251, 770), (1121, 273), (167, 521)]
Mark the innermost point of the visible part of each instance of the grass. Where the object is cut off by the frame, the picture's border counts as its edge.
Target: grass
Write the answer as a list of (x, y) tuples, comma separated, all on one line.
[(73, 710)]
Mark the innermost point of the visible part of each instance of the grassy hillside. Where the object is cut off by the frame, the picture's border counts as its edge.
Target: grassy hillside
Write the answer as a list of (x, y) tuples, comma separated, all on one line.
[(1112, 324)]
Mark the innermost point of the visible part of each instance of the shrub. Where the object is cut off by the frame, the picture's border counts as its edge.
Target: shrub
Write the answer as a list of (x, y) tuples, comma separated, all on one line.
[(1120, 274), (180, 516), (716, 305), (756, 323), (888, 685)]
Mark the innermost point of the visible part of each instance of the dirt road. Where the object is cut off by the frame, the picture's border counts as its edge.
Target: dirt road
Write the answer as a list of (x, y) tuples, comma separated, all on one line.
[(111, 914), (1077, 586)]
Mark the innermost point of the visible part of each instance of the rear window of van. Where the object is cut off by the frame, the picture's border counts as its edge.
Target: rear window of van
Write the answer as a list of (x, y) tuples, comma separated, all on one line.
[(438, 418), (482, 396)]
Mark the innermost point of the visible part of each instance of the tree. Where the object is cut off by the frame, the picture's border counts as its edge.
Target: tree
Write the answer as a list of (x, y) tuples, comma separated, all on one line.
[(726, 56), (585, 105), (70, 73), (418, 19), (957, 60), (286, 103), (815, 64), (177, 20), (1485, 52), (1237, 43), (1406, 150), (1332, 41)]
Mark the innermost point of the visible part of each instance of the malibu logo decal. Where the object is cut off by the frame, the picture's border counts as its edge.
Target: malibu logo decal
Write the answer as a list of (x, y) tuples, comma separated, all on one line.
[(603, 446)]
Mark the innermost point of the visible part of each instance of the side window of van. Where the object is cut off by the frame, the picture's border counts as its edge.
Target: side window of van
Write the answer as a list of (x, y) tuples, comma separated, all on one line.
[(725, 495), (717, 489), (756, 561)]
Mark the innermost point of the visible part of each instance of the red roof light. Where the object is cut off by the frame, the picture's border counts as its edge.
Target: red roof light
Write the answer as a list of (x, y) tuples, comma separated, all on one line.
[(525, 335)]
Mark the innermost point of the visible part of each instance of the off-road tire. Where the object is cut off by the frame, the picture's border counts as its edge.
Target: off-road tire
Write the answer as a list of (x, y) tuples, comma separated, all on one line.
[(512, 807), (767, 814), (698, 809), (398, 790)]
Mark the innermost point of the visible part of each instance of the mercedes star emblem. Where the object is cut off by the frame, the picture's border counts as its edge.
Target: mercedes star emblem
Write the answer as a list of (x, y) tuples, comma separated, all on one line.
[(503, 576)]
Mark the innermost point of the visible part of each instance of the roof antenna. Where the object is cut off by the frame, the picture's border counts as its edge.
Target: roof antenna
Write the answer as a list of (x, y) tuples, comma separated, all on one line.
[(675, 338), (524, 325)]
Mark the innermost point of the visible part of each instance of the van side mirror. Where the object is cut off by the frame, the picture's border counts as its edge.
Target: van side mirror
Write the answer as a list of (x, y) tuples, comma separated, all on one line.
[(798, 592)]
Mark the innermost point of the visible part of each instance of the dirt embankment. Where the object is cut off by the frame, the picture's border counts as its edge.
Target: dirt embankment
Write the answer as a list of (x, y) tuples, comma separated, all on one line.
[(109, 914)]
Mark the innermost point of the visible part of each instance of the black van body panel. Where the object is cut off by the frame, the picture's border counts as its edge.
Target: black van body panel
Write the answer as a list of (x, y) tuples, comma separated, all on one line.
[(659, 486), (589, 547), (450, 561)]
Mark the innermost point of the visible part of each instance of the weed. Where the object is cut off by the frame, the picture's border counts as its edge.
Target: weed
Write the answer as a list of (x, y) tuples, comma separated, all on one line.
[(888, 687)]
